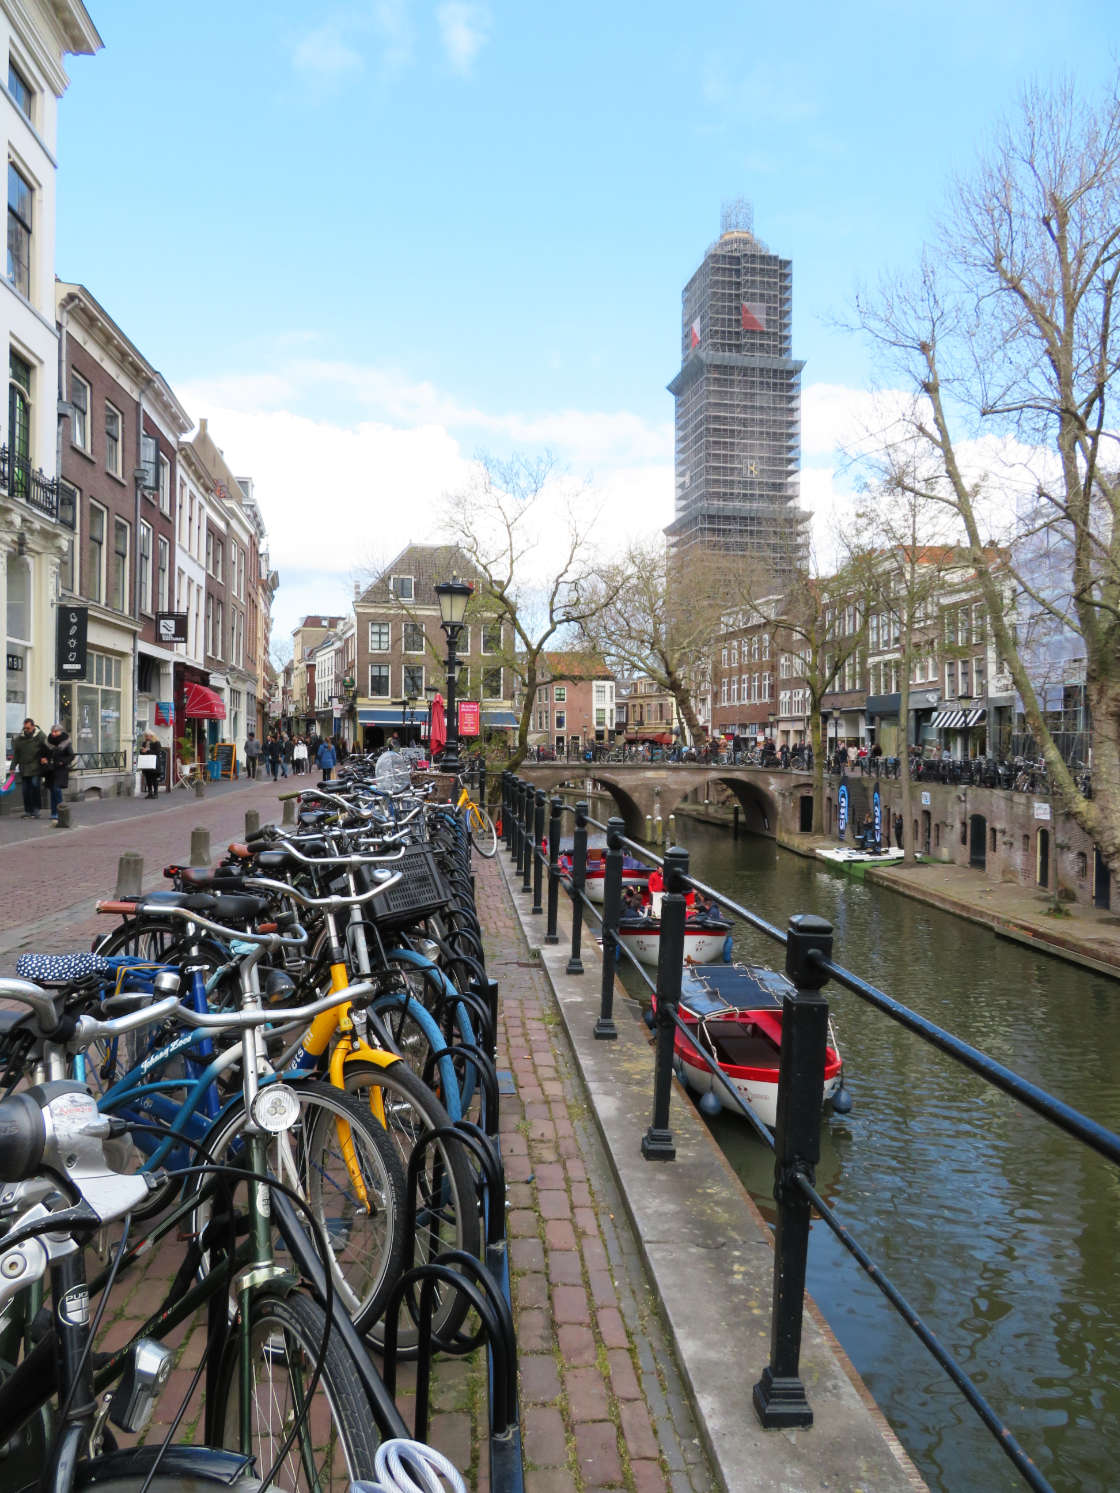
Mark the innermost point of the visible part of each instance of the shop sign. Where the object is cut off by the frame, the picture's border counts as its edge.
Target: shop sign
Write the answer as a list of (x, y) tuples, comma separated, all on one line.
[(877, 814), (926, 800), (1041, 811), (842, 810), (72, 625), (468, 718), (171, 627)]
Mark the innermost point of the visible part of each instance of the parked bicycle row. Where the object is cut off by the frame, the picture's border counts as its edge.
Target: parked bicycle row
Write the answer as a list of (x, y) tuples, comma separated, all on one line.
[(276, 1073)]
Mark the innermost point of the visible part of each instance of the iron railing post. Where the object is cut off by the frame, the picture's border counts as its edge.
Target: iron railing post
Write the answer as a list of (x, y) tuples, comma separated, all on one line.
[(507, 815), (515, 815), (605, 1029), (579, 881), (530, 837), (780, 1400), (538, 854), (657, 1143), (556, 808)]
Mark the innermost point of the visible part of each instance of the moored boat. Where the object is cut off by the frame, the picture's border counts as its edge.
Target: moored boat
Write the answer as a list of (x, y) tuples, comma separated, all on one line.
[(706, 939), (734, 1013), (634, 872), (847, 855)]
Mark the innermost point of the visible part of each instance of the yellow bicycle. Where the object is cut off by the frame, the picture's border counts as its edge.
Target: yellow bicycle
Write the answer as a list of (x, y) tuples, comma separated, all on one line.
[(484, 836)]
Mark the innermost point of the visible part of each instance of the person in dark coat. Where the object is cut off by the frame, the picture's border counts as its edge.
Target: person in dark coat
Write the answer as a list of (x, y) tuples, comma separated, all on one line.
[(59, 754), (274, 754), (898, 830), (29, 757), (153, 776)]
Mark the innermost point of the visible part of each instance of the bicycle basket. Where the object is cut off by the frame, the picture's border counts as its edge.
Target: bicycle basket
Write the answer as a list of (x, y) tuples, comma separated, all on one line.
[(420, 891)]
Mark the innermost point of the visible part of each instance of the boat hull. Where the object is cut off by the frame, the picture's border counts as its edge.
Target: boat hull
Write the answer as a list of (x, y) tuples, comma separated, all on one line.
[(701, 945)]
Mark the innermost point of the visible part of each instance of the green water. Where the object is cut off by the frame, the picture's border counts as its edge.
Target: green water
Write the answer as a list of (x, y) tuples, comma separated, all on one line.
[(1000, 1230)]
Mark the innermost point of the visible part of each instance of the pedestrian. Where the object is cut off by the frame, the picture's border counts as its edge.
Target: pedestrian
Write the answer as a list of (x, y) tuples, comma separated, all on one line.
[(252, 754), (326, 759), (29, 755), (274, 756), (868, 831), (150, 751), (285, 753), (841, 760), (60, 754), (898, 830)]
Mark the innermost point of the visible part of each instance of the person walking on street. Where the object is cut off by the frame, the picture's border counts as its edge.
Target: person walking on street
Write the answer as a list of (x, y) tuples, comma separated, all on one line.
[(60, 754), (150, 748), (285, 753), (252, 754), (299, 756), (274, 757), (29, 757), (326, 759), (898, 830)]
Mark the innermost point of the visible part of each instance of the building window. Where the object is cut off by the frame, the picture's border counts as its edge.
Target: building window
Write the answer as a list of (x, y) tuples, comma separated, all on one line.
[(735, 655), (210, 624), (491, 684), (95, 553), (163, 573), (19, 424), (723, 657), (403, 587), (145, 567), (723, 691), (91, 712), (413, 680), (164, 485), (600, 718), (734, 689), (79, 411), (20, 193), (560, 694), (491, 637), (118, 587), (219, 630), (68, 508), (113, 440), (378, 637), (379, 681), (20, 89), (561, 720), (413, 638)]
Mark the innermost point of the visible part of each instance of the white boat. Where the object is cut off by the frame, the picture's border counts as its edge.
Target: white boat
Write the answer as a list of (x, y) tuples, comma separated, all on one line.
[(735, 1014), (846, 855), (705, 940), (634, 873)]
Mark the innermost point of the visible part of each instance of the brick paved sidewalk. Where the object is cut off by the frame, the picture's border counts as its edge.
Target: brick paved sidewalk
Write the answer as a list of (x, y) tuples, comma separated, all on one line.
[(603, 1405)]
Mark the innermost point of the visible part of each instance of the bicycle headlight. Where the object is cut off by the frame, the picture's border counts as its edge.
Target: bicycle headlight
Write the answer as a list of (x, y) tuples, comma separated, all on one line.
[(276, 1108)]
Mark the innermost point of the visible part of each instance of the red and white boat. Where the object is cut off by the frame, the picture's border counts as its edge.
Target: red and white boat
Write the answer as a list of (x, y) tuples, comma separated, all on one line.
[(707, 936), (735, 1014), (634, 873)]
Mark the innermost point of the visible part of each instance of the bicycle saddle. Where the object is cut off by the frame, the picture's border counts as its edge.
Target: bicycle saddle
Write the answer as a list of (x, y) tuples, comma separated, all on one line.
[(60, 969), (240, 907), (201, 902)]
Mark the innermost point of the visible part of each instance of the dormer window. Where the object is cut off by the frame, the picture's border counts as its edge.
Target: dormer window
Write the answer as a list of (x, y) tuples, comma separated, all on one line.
[(402, 587)]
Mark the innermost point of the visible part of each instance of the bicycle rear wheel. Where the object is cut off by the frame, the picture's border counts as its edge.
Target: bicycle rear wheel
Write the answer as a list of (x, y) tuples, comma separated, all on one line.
[(483, 833), (338, 1441)]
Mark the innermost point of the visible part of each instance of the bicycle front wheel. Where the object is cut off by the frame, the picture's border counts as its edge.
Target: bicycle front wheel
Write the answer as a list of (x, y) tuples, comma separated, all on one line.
[(337, 1441), (483, 833)]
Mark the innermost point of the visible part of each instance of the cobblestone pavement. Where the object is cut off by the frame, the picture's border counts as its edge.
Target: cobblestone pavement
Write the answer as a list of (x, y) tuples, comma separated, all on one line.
[(602, 1402)]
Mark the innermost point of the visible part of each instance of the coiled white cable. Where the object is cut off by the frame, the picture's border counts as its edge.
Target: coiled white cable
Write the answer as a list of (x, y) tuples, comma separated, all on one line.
[(402, 1466)]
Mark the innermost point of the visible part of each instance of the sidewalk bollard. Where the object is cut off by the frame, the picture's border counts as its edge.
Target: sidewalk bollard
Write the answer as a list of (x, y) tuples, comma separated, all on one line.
[(199, 788), (605, 1029), (649, 829), (130, 876), (556, 808), (672, 828), (579, 881), (64, 816), (659, 830), (657, 1143), (200, 847), (780, 1400), (538, 853), (252, 823), (289, 815)]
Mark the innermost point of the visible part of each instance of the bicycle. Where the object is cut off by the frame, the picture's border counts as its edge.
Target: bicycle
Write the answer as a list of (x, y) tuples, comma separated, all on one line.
[(266, 1366), (484, 836)]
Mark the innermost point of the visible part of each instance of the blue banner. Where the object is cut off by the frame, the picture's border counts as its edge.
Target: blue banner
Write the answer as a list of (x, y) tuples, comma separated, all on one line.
[(842, 810), (877, 815)]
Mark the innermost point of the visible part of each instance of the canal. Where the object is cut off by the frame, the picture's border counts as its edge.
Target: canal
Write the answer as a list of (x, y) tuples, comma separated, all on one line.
[(1001, 1231)]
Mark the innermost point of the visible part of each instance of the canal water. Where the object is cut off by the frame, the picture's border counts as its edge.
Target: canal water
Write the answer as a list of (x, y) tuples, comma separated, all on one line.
[(1003, 1233)]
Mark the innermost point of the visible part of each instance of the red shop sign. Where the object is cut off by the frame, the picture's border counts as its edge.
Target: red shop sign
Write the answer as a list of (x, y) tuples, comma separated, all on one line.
[(468, 718)]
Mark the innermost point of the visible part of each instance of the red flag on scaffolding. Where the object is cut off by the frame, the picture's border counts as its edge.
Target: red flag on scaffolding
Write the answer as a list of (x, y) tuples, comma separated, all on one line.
[(694, 335), (754, 317)]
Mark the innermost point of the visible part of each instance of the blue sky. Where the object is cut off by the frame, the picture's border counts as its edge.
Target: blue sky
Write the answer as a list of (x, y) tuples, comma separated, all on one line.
[(368, 240)]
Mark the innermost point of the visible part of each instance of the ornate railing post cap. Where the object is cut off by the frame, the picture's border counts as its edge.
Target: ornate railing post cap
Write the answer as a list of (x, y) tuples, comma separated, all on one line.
[(676, 869), (616, 828), (808, 935), (540, 797), (583, 809)]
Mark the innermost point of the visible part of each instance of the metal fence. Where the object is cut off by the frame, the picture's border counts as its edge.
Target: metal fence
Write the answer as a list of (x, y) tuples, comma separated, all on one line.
[(780, 1397)]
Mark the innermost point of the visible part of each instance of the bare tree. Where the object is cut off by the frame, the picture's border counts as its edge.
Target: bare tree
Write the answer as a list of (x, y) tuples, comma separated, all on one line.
[(527, 535), (1007, 345), (657, 614)]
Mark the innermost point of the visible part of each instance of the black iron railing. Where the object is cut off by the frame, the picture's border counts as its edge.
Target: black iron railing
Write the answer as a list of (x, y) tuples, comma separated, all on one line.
[(19, 479), (99, 762), (779, 1395)]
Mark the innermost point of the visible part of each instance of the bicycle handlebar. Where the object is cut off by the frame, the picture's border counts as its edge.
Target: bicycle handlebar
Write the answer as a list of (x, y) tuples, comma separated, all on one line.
[(335, 902), (240, 1020), (186, 915)]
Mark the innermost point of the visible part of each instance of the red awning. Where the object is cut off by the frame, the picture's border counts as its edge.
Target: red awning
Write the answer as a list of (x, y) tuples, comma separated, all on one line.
[(202, 704)]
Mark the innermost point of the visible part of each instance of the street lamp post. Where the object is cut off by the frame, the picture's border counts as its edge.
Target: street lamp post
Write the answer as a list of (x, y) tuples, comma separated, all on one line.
[(453, 597)]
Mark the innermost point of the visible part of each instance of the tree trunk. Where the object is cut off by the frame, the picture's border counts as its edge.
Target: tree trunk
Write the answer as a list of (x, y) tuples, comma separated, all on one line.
[(909, 839), (818, 769)]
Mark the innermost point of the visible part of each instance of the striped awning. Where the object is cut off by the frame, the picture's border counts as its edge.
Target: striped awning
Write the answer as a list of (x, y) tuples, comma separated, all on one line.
[(958, 720)]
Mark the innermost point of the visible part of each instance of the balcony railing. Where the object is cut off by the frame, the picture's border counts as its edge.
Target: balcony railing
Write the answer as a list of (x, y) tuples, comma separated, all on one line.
[(19, 479), (99, 762)]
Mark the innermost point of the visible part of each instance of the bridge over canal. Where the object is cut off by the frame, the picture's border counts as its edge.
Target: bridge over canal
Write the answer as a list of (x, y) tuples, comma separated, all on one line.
[(770, 801)]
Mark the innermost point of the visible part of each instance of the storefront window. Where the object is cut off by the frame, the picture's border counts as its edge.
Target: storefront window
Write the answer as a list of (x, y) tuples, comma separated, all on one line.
[(18, 642), (91, 712)]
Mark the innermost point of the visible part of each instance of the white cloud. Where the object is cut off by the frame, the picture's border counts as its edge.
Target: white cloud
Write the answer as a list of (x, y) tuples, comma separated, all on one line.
[(325, 56), (464, 29)]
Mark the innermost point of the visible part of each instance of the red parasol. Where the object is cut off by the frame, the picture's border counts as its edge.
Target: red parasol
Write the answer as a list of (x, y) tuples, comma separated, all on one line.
[(437, 727)]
